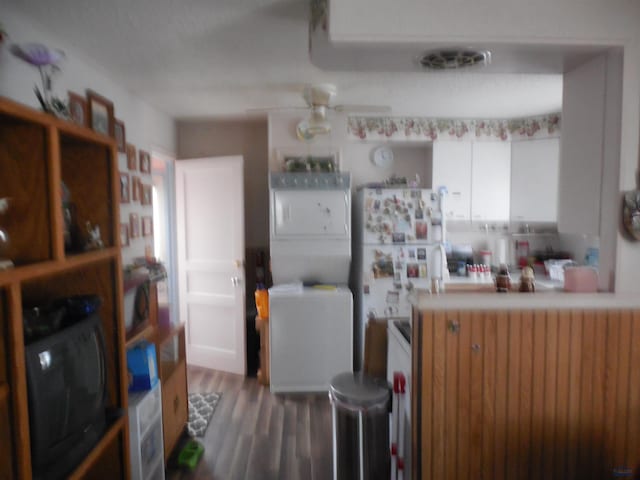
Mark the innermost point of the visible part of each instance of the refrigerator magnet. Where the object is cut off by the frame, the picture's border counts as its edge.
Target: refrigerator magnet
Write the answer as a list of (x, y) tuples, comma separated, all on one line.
[(413, 270), (398, 237), (421, 230), (422, 253)]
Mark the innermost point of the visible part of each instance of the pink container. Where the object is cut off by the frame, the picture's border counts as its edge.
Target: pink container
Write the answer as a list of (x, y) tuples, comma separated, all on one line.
[(580, 279)]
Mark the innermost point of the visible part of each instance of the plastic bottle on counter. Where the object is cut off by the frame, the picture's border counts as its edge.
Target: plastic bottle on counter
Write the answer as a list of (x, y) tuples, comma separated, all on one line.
[(485, 256), (503, 279), (262, 301), (473, 272), (486, 272)]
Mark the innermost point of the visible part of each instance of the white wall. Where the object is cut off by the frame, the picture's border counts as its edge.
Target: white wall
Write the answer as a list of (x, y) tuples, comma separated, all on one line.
[(210, 138), (410, 158), (546, 21), (146, 127)]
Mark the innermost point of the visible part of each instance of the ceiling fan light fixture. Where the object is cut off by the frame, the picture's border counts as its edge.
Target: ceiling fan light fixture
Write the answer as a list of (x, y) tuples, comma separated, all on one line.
[(307, 129), (454, 58)]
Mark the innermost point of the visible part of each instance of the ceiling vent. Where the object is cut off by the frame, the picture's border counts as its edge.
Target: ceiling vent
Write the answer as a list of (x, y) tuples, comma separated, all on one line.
[(453, 59)]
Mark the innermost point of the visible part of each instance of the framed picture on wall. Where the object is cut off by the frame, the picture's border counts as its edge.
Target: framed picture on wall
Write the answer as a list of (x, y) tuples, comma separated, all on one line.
[(125, 187), (124, 235), (118, 128), (134, 225), (147, 226), (135, 188), (132, 164), (146, 194), (100, 113), (145, 162), (78, 109)]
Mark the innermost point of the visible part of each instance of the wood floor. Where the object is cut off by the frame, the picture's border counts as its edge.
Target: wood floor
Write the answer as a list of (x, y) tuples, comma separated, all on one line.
[(254, 434)]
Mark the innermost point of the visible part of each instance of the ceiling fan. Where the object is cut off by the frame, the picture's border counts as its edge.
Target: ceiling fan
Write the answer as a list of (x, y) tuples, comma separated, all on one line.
[(318, 98)]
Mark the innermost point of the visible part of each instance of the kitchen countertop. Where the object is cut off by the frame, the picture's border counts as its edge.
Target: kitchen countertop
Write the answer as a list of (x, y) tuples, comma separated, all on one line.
[(466, 284), (516, 300)]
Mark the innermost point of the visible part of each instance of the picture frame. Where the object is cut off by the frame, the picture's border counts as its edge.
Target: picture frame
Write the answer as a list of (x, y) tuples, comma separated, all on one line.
[(135, 188), (124, 235), (125, 188), (132, 163), (78, 109), (119, 134), (100, 114), (134, 225), (145, 162), (147, 226), (145, 194)]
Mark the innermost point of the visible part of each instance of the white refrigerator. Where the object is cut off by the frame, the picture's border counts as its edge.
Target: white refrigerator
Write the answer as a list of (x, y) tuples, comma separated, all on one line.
[(398, 248)]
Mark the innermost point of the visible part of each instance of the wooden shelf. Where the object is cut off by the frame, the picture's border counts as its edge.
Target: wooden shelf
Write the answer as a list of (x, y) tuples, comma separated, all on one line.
[(165, 333), (4, 391), (114, 429), (18, 110), (146, 333), (53, 267), (42, 158)]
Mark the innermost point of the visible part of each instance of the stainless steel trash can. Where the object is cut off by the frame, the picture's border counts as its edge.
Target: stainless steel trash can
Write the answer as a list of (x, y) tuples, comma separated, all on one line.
[(360, 412)]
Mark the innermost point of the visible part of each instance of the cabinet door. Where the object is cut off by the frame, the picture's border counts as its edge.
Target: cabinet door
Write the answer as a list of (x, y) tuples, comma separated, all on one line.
[(525, 395), (452, 169), (490, 180), (175, 408), (534, 180)]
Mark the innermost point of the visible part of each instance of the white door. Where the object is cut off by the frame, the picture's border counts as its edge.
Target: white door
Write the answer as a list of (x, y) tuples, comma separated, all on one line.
[(210, 218)]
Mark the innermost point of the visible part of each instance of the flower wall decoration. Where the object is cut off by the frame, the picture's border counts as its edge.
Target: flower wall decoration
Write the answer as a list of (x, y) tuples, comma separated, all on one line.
[(46, 60), (422, 128)]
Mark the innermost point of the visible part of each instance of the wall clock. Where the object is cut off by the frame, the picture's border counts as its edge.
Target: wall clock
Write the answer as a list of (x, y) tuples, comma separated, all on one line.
[(383, 156)]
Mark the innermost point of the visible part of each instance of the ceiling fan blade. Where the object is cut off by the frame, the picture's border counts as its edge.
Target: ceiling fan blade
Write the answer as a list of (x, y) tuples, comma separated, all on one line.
[(275, 109), (362, 108)]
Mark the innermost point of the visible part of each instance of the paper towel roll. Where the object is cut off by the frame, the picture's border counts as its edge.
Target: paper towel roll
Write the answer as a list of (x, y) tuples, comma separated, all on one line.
[(500, 251)]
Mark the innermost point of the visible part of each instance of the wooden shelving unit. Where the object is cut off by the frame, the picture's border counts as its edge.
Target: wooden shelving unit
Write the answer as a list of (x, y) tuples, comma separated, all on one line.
[(172, 369), (38, 154), (170, 346)]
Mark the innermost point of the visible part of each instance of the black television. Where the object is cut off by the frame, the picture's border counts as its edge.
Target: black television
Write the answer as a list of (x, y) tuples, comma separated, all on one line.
[(66, 382)]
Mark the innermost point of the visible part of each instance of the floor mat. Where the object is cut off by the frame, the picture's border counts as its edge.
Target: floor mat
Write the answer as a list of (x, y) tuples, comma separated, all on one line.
[(201, 408)]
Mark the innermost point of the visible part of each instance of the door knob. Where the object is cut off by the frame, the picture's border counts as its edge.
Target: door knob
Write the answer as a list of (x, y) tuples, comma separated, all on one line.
[(453, 326)]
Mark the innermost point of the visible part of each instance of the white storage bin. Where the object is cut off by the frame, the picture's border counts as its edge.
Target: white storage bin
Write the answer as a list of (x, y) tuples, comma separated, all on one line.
[(145, 432), (148, 406)]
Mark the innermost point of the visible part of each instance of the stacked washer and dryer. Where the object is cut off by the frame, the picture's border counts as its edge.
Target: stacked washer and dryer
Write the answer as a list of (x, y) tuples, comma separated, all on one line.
[(310, 304)]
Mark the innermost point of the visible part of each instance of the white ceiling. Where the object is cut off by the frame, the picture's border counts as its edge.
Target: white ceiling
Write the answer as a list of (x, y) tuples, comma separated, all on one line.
[(204, 58)]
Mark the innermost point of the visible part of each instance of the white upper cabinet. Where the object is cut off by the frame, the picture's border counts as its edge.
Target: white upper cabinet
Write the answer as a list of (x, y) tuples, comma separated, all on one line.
[(534, 180), (452, 168), (490, 181)]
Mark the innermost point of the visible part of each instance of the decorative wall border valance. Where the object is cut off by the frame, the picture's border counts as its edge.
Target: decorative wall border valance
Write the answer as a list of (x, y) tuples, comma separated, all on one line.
[(423, 128)]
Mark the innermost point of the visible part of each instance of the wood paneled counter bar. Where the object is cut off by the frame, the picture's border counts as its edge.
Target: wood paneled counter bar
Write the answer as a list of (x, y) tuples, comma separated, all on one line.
[(525, 386)]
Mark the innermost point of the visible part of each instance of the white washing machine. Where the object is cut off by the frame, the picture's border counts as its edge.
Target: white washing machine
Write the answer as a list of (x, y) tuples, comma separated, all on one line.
[(311, 338), (310, 329)]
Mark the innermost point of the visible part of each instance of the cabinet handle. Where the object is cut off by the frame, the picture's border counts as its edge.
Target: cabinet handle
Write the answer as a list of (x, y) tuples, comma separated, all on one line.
[(475, 347), (176, 404), (453, 326)]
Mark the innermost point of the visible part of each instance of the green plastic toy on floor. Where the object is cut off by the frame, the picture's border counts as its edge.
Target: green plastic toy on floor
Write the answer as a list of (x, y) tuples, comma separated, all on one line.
[(190, 454)]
